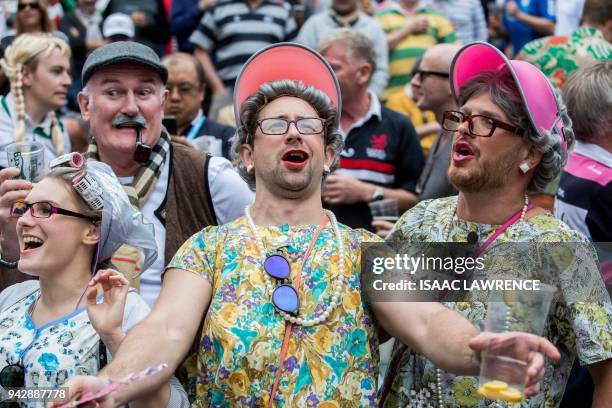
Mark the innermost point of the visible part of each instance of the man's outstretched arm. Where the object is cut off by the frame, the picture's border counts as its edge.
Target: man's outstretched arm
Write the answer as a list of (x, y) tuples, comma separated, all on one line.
[(452, 343)]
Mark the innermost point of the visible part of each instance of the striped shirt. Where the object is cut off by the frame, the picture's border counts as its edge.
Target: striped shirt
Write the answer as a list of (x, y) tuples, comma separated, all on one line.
[(408, 50), (231, 32), (467, 17)]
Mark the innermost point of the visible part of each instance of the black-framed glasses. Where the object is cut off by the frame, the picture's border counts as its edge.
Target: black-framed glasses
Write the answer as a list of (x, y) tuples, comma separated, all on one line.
[(43, 209), (280, 126), (12, 376), (478, 125), (23, 6), (424, 74), (284, 297)]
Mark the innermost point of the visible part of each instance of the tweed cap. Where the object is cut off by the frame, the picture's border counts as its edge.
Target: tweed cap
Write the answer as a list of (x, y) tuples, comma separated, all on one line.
[(122, 51)]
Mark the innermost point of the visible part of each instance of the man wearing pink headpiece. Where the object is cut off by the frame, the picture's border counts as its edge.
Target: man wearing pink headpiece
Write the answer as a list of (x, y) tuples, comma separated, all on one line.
[(511, 135)]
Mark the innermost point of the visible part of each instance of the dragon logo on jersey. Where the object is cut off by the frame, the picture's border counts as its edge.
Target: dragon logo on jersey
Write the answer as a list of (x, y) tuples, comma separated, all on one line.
[(378, 145)]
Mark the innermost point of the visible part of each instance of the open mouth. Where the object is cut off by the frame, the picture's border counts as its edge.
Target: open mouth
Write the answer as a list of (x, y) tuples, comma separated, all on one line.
[(295, 157), (30, 243), (462, 151)]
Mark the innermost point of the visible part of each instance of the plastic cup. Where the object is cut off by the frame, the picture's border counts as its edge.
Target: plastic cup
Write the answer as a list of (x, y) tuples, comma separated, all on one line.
[(28, 157), (384, 209), (208, 144), (504, 365)]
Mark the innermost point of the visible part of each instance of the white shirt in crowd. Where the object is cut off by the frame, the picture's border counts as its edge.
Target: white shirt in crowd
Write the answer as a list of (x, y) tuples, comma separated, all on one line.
[(569, 13)]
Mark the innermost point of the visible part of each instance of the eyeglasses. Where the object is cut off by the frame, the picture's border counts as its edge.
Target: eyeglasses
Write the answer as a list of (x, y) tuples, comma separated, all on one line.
[(280, 126), (23, 6), (183, 89), (12, 376), (43, 209), (478, 125), (284, 297), (424, 74)]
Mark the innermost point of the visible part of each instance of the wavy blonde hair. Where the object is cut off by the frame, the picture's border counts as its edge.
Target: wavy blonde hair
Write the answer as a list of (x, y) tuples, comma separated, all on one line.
[(26, 51)]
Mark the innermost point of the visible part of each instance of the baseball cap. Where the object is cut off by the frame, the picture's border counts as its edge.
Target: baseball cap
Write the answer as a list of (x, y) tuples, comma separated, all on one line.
[(118, 24), (536, 91), (119, 52)]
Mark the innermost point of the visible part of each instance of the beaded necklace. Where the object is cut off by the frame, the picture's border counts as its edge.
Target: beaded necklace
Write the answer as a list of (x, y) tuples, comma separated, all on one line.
[(335, 297)]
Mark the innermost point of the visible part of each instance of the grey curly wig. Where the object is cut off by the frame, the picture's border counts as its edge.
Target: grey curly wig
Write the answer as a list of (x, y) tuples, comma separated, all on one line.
[(503, 90), (274, 90)]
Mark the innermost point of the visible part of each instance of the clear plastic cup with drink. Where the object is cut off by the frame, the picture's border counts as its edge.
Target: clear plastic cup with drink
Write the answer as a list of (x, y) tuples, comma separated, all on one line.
[(384, 209), (28, 157), (503, 366)]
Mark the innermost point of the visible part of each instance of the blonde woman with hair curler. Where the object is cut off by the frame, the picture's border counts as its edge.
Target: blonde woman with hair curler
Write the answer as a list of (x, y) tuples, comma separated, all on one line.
[(37, 66)]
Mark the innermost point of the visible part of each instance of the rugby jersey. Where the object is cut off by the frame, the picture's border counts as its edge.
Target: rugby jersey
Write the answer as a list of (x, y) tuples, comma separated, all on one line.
[(231, 32), (411, 48), (383, 149), (584, 197)]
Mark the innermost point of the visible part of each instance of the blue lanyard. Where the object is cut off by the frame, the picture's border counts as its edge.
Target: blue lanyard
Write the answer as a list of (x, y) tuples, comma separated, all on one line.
[(195, 129)]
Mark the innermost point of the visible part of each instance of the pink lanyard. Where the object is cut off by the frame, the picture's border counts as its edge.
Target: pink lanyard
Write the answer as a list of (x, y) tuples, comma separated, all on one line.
[(512, 220), (285, 345)]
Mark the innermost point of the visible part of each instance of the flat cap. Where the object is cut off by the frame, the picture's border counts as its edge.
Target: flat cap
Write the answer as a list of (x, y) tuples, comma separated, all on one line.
[(119, 52)]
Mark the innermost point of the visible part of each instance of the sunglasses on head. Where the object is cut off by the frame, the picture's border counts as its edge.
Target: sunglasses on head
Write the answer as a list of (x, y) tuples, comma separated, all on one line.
[(284, 297), (23, 6)]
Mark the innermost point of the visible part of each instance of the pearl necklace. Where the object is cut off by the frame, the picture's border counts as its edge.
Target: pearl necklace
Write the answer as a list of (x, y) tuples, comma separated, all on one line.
[(447, 230), (448, 226), (335, 298)]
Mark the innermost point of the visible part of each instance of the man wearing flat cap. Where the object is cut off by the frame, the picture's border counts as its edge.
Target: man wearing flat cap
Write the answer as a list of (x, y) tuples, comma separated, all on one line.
[(177, 188)]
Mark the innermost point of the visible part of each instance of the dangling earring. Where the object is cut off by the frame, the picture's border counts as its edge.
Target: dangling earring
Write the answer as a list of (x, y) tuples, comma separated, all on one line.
[(249, 168), (524, 167), (326, 169)]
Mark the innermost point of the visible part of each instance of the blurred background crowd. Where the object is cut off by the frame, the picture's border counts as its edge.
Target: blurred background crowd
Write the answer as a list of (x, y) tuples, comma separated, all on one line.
[(392, 61)]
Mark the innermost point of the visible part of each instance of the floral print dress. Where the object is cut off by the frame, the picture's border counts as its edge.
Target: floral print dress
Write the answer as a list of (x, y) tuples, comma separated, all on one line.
[(60, 349), (333, 364), (577, 328)]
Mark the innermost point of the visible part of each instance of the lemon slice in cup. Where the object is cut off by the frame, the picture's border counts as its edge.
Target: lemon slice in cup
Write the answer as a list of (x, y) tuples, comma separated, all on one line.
[(495, 385), (499, 390)]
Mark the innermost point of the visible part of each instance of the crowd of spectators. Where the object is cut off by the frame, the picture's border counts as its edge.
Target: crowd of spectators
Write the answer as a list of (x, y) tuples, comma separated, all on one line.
[(391, 58)]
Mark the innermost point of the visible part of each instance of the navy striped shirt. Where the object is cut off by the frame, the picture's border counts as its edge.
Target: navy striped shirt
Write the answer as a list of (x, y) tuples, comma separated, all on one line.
[(231, 32)]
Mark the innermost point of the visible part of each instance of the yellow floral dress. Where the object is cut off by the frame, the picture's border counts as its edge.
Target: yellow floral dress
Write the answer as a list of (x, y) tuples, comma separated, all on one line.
[(334, 364), (578, 328)]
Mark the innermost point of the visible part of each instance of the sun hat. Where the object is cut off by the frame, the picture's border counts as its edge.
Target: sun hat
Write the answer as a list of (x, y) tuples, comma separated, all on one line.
[(286, 61), (536, 91)]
